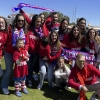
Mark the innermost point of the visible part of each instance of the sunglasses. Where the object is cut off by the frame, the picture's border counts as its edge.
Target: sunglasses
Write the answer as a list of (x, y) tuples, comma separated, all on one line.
[(20, 21)]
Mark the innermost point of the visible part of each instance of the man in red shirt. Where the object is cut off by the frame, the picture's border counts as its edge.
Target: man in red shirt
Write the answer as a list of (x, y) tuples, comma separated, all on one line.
[(83, 78)]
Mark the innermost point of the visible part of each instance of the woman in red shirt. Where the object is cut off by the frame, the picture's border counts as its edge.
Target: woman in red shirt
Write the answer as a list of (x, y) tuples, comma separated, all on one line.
[(17, 31), (55, 52)]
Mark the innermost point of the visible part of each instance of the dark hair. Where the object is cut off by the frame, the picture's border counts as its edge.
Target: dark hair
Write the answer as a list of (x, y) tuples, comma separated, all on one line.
[(45, 41), (41, 14), (15, 22), (57, 67), (61, 31), (54, 13), (71, 36), (81, 20), (34, 18), (6, 25)]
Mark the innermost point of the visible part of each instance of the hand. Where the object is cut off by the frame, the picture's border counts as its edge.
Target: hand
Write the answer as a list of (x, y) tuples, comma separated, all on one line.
[(85, 89), (26, 58), (20, 58)]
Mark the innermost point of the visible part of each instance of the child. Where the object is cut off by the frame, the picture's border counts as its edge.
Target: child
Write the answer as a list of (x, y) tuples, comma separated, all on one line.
[(61, 73), (20, 57)]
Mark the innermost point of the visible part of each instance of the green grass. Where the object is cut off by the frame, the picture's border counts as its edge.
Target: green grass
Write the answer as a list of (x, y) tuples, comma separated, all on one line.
[(45, 94)]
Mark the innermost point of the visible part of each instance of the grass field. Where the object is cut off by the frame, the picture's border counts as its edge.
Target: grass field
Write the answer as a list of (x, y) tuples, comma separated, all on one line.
[(45, 94)]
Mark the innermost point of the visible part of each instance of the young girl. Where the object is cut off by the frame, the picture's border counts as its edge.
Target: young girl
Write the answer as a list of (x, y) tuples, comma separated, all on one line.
[(20, 57), (61, 73), (55, 52)]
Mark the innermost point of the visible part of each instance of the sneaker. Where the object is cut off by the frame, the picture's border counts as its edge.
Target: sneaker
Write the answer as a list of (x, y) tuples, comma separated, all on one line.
[(35, 77), (39, 87), (68, 88), (94, 97), (25, 91), (17, 93), (5, 91), (29, 83)]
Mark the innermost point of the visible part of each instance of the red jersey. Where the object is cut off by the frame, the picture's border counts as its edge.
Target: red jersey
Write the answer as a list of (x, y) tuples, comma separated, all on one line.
[(32, 43), (21, 68), (73, 45), (92, 73), (3, 41), (44, 51)]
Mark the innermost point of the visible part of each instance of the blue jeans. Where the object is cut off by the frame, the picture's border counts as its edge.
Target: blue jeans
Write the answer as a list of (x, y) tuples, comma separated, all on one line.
[(9, 66), (31, 63), (50, 70)]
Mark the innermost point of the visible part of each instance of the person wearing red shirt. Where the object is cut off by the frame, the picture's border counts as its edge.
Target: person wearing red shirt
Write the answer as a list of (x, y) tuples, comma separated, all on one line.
[(20, 57), (3, 38), (74, 40), (83, 78), (52, 22), (63, 29), (53, 51), (17, 31)]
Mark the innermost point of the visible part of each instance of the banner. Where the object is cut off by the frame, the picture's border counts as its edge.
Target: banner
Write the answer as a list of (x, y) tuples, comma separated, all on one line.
[(71, 54)]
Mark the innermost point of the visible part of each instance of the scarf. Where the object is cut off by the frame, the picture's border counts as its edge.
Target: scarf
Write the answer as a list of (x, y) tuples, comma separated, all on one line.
[(39, 32), (17, 34), (81, 77)]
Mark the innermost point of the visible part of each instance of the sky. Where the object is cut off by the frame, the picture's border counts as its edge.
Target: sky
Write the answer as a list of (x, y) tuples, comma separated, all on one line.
[(89, 9)]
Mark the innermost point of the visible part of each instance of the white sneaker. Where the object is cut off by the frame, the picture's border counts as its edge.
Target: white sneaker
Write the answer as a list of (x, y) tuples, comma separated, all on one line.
[(5, 91), (93, 98), (68, 88), (39, 87), (35, 77)]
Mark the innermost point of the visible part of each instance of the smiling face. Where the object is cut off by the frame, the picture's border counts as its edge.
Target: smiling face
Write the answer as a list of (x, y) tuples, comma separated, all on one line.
[(60, 63), (54, 18), (38, 22), (92, 34), (20, 21), (64, 24), (54, 37), (75, 32), (2, 24), (82, 24)]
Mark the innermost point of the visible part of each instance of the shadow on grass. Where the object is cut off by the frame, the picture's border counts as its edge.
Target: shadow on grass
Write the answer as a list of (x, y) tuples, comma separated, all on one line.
[(64, 94)]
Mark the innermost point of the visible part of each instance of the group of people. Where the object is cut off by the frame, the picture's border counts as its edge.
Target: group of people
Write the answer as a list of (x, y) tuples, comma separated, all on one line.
[(27, 42)]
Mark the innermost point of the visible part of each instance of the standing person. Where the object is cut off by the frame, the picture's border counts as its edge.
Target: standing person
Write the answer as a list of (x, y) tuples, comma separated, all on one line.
[(20, 57), (83, 78), (52, 22), (33, 37), (63, 29), (3, 38), (55, 52), (42, 17), (82, 25), (74, 40), (18, 30), (93, 42), (61, 73)]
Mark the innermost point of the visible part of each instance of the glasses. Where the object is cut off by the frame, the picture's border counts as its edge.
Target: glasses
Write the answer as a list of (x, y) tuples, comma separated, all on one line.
[(20, 21)]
